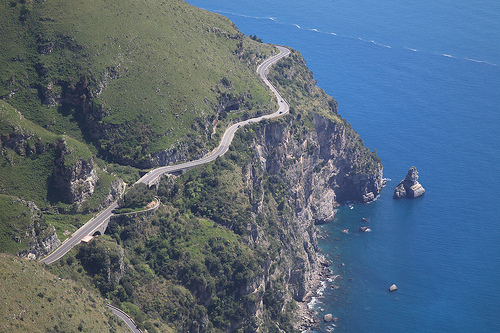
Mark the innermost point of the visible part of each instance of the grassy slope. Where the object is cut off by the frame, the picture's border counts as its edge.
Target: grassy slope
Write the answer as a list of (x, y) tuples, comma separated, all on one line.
[(34, 300), (170, 58), (28, 176), (14, 216), (174, 62)]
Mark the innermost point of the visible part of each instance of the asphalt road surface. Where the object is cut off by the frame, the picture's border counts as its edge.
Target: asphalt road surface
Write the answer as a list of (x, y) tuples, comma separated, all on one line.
[(125, 318), (88, 228), (91, 226)]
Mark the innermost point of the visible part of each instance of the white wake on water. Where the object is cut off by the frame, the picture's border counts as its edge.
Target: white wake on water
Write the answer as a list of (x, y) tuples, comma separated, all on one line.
[(481, 61), (276, 20), (390, 47), (242, 15)]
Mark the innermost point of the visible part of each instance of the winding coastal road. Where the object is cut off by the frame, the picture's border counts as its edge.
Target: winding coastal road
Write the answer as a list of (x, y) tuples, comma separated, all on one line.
[(91, 226), (153, 175)]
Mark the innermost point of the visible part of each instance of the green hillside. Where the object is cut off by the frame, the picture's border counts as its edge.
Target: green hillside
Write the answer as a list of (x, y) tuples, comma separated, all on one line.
[(28, 155), (15, 217), (34, 300), (132, 77), (93, 90)]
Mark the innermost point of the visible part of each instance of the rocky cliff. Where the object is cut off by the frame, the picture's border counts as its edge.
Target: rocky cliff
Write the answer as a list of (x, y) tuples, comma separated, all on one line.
[(320, 162), (321, 167), (409, 187), (264, 197), (39, 160), (75, 181), (116, 189)]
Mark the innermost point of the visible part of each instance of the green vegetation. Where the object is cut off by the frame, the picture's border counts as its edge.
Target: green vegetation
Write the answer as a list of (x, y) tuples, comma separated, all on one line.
[(29, 153), (15, 217), (86, 84), (186, 270), (192, 266), (27, 177), (216, 191), (34, 300), (132, 89), (226, 237), (65, 224), (137, 198), (129, 174), (189, 266), (298, 86)]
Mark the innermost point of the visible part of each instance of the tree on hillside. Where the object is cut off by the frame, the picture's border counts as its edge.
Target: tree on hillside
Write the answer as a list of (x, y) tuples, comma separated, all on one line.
[(138, 196)]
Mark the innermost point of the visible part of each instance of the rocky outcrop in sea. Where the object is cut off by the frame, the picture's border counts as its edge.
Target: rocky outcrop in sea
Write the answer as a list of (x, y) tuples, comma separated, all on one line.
[(409, 187)]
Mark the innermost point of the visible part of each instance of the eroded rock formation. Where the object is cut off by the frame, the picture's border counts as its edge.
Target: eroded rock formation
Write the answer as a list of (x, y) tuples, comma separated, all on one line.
[(409, 187), (116, 189), (325, 167), (75, 182)]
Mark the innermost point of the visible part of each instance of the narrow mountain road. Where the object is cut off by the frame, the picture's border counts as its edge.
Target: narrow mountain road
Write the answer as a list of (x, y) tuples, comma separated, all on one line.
[(229, 134), (125, 318), (91, 226)]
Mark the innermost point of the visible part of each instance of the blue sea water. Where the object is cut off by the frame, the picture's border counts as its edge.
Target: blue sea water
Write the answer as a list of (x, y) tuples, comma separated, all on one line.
[(420, 82)]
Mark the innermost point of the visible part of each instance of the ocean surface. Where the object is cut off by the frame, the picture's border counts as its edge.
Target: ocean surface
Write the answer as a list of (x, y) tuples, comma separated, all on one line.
[(420, 82)]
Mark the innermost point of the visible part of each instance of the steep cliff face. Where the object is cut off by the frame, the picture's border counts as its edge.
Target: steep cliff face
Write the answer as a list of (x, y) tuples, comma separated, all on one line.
[(353, 173), (254, 207), (334, 155), (321, 168), (310, 162), (75, 181), (37, 161)]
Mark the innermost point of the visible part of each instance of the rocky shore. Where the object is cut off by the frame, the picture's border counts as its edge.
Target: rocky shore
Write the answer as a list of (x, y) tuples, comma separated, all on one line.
[(309, 318)]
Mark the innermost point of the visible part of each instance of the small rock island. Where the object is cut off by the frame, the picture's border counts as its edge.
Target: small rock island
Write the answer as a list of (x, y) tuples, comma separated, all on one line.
[(409, 187)]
